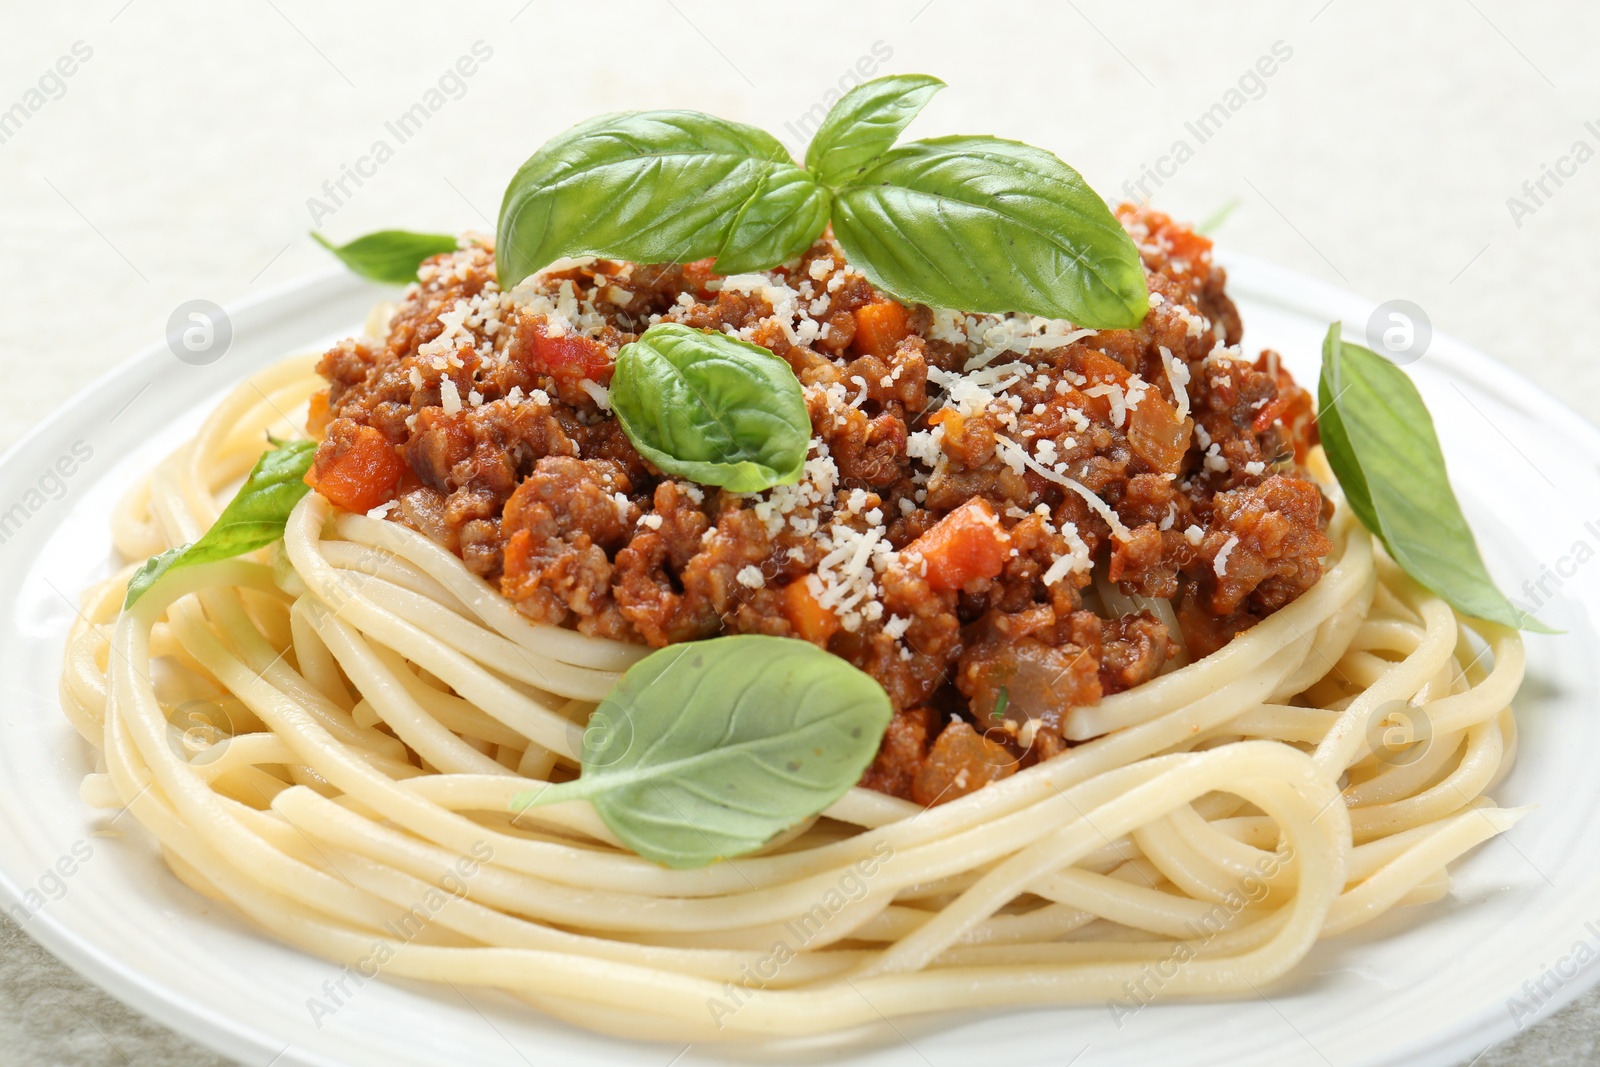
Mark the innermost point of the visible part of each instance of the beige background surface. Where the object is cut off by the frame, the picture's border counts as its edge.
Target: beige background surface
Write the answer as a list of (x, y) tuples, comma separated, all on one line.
[(178, 159)]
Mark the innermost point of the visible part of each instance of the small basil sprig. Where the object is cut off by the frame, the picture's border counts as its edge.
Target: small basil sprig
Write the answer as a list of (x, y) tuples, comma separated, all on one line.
[(976, 223), (657, 187), (987, 225), (1380, 442), (865, 123), (708, 749), (712, 408), (391, 256), (254, 518)]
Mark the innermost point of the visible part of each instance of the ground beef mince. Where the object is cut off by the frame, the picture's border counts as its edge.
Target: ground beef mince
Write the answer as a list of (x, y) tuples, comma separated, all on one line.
[(969, 476)]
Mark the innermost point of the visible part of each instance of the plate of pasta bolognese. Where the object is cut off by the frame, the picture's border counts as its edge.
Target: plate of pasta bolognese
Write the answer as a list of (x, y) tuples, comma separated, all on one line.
[(885, 608)]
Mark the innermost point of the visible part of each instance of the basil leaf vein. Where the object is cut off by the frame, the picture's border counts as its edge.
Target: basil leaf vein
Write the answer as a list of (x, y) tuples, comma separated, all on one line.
[(865, 123), (254, 518), (712, 408), (650, 186), (780, 220), (1380, 442), (989, 225), (389, 255), (709, 749)]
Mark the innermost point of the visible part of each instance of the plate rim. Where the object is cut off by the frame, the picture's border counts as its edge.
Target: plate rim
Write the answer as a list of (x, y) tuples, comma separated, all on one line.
[(1250, 278)]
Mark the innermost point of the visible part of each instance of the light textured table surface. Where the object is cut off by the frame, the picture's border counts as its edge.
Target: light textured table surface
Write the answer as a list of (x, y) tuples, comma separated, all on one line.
[(178, 159)]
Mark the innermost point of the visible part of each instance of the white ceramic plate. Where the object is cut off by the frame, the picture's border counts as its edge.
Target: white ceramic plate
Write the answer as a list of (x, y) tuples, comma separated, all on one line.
[(1427, 985)]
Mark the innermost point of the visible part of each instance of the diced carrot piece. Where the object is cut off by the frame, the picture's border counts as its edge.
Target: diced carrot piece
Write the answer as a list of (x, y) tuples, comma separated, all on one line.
[(879, 329), (811, 621), (1270, 414), (317, 412), (356, 467), (1100, 368), (1156, 434), (967, 544)]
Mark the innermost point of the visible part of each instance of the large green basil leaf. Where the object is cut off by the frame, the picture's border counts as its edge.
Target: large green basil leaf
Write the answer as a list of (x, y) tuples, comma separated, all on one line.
[(712, 408), (864, 123), (254, 518), (650, 186), (778, 222), (988, 225), (1380, 442), (708, 749), (389, 255)]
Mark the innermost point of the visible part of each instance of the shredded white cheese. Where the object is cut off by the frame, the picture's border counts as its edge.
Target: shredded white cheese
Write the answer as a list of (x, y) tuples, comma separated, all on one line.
[(1220, 564), (1177, 377), (597, 392), (449, 396)]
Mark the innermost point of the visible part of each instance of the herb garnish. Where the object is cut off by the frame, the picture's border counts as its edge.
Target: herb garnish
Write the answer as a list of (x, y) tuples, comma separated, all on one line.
[(389, 255), (253, 519), (708, 749), (712, 408), (1380, 442), (977, 223), (1001, 702)]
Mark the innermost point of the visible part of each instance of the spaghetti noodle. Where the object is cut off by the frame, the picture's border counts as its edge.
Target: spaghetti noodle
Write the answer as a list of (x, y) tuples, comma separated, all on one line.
[(328, 736)]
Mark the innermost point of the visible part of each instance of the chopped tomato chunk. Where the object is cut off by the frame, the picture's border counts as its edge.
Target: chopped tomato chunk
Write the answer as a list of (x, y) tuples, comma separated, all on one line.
[(879, 329), (811, 621), (698, 273), (570, 355), (965, 545), (356, 467)]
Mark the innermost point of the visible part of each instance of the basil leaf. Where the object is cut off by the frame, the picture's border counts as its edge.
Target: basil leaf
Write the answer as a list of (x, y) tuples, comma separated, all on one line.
[(389, 255), (709, 749), (149, 572), (255, 517), (1380, 442), (779, 222), (987, 225), (650, 186), (712, 408), (864, 124)]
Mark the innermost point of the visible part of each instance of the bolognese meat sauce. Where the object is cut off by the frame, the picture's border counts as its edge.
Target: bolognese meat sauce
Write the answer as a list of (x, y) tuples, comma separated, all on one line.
[(968, 477)]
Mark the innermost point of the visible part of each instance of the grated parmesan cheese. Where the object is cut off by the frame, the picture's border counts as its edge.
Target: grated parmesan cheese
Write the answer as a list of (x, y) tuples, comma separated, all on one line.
[(1177, 377), (449, 396), (1220, 564), (597, 392)]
